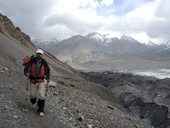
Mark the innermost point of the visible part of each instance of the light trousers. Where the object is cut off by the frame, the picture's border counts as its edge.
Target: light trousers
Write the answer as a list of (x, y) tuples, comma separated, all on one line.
[(37, 90)]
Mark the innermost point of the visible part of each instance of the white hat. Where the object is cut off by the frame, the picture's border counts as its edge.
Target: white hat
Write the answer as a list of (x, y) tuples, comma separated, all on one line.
[(39, 51)]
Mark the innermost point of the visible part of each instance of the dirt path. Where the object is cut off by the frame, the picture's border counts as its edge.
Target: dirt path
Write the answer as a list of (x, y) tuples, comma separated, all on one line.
[(15, 112)]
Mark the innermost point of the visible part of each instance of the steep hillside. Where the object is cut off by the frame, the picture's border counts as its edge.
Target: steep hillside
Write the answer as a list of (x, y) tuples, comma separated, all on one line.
[(14, 33), (72, 102)]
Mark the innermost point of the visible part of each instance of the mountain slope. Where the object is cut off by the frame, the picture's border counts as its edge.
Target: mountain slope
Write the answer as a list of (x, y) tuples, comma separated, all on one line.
[(73, 102)]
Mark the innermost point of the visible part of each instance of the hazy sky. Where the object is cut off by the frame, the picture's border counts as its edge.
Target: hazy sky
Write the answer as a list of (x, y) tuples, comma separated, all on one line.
[(48, 19)]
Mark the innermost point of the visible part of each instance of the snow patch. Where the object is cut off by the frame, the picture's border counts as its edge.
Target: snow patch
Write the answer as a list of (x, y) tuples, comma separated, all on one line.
[(96, 36), (128, 38)]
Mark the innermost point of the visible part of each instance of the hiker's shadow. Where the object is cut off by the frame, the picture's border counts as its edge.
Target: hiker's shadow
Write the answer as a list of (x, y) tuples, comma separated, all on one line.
[(25, 107)]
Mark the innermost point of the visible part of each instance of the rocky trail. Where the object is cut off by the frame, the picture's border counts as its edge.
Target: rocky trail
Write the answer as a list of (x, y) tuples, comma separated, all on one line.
[(68, 105)]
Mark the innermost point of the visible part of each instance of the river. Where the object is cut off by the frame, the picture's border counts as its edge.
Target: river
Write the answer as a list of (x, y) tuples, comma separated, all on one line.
[(160, 74)]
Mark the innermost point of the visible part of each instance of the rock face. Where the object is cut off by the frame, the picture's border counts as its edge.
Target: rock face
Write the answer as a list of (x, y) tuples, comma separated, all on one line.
[(8, 29), (72, 103), (145, 97)]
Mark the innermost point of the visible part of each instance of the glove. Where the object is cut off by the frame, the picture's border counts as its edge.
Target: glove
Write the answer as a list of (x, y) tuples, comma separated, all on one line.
[(27, 74)]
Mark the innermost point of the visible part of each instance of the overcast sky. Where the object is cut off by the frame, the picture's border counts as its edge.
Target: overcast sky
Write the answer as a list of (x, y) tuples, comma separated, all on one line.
[(60, 19)]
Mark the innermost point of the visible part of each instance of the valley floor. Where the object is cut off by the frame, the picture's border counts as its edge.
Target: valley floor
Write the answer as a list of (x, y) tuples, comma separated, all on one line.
[(144, 96)]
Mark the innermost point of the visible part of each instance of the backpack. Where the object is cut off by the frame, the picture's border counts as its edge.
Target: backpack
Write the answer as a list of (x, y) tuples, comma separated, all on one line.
[(26, 62)]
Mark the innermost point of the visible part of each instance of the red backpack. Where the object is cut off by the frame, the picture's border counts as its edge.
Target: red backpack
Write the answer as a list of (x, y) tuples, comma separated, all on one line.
[(26, 60)]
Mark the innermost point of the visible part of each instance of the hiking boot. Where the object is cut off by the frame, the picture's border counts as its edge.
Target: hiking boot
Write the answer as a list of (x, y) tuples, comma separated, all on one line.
[(41, 114), (41, 104), (33, 100)]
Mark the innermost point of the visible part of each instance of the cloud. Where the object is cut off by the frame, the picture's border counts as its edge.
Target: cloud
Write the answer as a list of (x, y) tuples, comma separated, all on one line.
[(26, 14), (61, 19), (160, 25), (151, 20), (106, 2)]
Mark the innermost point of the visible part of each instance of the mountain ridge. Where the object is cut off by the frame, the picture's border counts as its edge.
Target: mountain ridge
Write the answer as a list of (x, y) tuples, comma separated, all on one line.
[(79, 49)]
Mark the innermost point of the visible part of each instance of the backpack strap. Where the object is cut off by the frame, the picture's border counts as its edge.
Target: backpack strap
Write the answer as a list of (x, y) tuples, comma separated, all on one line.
[(46, 68)]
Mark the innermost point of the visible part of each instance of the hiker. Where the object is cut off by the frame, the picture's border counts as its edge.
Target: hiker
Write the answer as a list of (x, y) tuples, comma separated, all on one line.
[(37, 70)]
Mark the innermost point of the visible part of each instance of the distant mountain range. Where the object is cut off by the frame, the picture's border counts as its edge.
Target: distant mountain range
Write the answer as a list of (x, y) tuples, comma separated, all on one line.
[(94, 47)]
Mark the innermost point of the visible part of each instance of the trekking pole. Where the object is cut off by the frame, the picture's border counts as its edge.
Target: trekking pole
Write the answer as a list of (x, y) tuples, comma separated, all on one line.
[(26, 90), (46, 89)]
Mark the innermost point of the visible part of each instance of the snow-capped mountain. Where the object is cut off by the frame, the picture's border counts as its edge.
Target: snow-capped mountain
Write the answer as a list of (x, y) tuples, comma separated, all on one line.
[(167, 44), (128, 38), (42, 42), (94, 46), (96, 36), (99, 37), (45, 44), (151, 44)]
